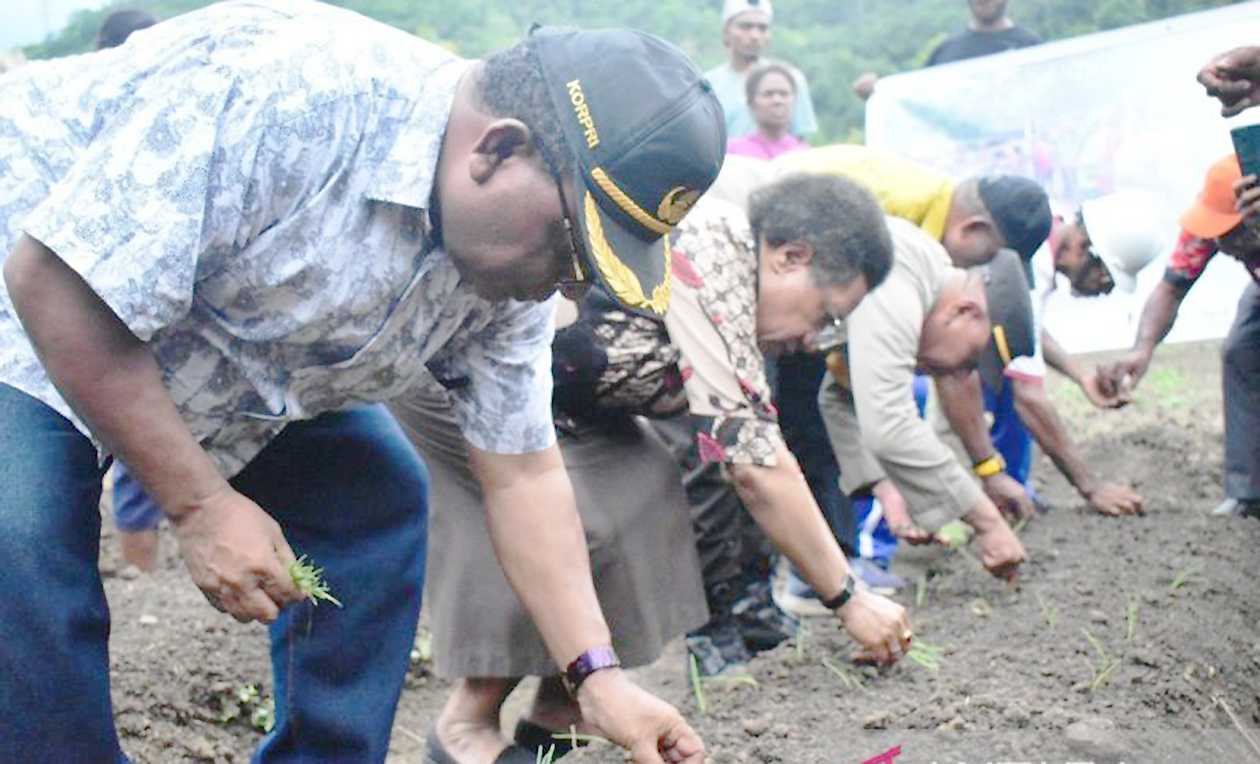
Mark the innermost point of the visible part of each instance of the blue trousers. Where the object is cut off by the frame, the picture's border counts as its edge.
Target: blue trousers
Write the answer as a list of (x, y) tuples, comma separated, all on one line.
[(348, 490), (1010, 437)]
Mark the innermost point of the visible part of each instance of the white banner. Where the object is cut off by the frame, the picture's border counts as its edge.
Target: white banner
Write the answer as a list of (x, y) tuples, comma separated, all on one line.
[(1086, 117)]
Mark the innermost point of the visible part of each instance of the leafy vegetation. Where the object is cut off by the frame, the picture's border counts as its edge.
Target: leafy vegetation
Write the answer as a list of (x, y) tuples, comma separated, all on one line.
[(832, 42)]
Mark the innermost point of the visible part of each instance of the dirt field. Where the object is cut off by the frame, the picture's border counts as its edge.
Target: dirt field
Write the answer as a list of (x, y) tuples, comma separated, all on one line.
[(1124, 641)]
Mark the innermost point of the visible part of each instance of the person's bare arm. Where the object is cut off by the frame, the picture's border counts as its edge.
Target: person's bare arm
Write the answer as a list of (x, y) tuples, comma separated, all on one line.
[(962, 402), (779, 500), (1158, 316), (1058, 359), (1038, 414), (235, 552)]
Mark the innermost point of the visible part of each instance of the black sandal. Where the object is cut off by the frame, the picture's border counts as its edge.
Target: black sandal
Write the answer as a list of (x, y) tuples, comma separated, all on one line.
[(535, 737)]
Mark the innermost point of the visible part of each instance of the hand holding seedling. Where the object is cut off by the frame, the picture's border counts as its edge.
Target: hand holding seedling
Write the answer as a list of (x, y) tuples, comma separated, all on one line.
[(237, 555), (649, 728), (1233, 78), (879, 625)]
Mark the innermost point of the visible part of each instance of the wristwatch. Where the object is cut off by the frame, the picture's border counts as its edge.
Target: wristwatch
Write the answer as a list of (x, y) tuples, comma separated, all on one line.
[(846, 593), (595, 659)]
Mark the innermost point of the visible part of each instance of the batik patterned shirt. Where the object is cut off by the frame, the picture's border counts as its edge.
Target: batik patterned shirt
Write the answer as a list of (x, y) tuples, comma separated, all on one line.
[(247, 186), (712, 318)]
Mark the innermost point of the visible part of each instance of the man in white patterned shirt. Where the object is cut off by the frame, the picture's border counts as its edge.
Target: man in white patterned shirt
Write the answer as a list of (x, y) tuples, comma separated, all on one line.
[(229, 236)]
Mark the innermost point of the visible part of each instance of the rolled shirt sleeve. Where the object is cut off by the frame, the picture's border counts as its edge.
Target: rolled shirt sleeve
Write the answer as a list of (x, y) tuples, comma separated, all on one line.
[(712, 319)]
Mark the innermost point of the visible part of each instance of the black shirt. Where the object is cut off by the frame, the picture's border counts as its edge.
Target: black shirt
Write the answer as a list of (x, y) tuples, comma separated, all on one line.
[(972, 44)]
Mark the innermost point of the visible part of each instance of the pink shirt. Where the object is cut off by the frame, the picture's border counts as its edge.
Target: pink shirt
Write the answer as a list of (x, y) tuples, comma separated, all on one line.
[(758, 146)]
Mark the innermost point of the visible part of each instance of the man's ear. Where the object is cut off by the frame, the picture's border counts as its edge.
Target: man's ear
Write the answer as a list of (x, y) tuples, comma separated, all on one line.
[(980, 224), (499, 141), (789, 256)]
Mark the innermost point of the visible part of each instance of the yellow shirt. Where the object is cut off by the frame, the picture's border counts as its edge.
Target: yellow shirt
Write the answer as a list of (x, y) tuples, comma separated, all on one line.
[(904, 189)]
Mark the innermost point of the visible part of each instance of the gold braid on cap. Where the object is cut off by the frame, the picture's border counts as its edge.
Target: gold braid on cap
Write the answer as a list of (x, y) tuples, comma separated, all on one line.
[(627, 205), (617, 275)]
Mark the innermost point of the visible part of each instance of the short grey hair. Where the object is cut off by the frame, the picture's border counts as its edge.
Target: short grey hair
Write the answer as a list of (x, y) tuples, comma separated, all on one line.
[(839, 219)]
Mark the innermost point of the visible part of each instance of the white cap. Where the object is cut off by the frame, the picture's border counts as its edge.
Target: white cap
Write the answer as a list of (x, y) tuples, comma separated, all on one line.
[(1128, 230), (732, 8)]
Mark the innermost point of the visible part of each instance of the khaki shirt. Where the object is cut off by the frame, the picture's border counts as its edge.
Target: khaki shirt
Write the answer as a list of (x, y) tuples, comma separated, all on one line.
[(873, 423)]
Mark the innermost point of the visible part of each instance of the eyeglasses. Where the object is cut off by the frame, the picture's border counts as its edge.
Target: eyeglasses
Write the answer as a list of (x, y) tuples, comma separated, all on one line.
[(575, 287)]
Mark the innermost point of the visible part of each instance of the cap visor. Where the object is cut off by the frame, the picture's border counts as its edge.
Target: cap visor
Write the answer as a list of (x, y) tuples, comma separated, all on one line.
[(1026, 262), (633, 270), (1208, 223)]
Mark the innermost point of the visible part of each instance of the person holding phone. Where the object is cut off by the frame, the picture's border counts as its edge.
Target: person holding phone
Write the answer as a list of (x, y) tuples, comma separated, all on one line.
[(1224, 218)]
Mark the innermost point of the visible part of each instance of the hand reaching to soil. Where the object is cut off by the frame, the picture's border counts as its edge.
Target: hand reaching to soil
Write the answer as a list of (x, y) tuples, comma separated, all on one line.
[(879, 625), (1009, 496), (1233, 78), (649, 728), (897, 514), (1112, 499), (999, 548), (237, 556)]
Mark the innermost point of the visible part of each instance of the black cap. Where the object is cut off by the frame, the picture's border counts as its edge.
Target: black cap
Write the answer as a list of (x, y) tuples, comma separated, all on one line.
[(648, 136), (1021, 210), (1014, 331)]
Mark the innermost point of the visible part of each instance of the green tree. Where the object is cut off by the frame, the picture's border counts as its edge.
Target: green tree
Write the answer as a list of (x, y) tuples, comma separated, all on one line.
[(832, 42)]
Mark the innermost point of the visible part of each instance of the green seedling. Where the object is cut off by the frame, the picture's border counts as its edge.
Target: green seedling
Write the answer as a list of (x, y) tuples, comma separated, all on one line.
[(747, 679), (927, 655), (920, 590), (1183, 577), (1132, 619), (954, 535), (545, 758), (1049, 614), (574, 739), (310, 581), (263, 717), (802, 635), (697, 683), (1106, 663), (848, 680)]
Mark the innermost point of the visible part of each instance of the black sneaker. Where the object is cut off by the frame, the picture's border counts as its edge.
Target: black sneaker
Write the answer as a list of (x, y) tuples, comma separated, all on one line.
[(762, 623), (718, 649)]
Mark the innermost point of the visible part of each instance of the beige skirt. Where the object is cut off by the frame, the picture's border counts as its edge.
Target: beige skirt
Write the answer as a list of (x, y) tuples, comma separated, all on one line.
[(643, 555)]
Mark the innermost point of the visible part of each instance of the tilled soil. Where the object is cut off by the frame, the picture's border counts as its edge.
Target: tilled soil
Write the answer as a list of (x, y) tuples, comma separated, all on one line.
[(1124, 640)]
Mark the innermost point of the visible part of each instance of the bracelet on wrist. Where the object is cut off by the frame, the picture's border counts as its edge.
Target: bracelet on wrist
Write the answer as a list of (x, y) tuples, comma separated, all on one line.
[(986, 468)]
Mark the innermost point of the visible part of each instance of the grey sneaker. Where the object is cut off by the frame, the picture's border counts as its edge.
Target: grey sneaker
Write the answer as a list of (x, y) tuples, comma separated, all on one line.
[(1238, 508), (875, 577)]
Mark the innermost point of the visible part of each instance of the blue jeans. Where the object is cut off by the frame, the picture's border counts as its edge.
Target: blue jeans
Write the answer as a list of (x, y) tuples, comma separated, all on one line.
[(134, 511), (348, 490)]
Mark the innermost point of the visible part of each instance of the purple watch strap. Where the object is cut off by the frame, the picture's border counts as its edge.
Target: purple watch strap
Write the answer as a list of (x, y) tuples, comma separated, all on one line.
[(588, 663)]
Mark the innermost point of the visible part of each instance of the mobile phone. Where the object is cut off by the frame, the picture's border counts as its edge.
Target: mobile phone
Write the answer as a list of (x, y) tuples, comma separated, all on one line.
[(1247, 147)]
